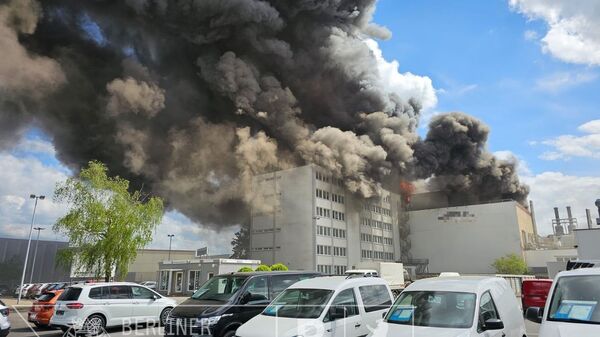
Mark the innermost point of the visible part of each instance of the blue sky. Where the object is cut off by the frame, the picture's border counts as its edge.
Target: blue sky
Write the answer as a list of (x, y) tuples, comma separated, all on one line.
[(478, 57), (511, 63)]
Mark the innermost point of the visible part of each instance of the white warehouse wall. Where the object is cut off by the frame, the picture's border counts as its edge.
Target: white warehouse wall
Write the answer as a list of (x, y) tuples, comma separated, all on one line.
[(468, 243)]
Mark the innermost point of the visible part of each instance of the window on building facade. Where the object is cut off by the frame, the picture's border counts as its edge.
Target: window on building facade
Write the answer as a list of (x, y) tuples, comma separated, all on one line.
[(193, 280), (164, 280), (326, 269)]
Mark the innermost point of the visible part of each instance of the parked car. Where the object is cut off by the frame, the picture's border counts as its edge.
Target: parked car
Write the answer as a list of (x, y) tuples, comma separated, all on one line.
[(93, 307), (4, 322), (23, 291), (573, 308), (42, 309), (453, 307), (32, 291), (323, 306), (534, 293), (227, 301), (149, 284), (41, 289)]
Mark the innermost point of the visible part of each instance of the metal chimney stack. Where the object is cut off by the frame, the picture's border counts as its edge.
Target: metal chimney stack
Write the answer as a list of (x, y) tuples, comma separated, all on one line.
[(588, 215), (532, 212), (570, 218), (558, 229)]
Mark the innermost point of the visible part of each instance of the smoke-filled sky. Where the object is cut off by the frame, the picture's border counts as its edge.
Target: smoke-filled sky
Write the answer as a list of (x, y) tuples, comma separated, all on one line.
[(191, 98)]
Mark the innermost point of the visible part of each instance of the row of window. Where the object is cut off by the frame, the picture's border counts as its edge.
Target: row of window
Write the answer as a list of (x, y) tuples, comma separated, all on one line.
[(259, 249), (376, 224), (326, 213), (378, 209), (325, 195), (376, 255), (326, 250), (322, 177), (376, 238), (328, 231), (327, 269)]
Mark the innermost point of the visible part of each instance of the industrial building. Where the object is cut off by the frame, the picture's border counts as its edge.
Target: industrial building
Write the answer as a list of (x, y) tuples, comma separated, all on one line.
[(467, 239), (46, 269), (305, 218)]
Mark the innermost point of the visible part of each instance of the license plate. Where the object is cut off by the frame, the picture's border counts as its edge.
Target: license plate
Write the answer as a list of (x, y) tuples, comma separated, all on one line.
[(60, 312), (33, 316)]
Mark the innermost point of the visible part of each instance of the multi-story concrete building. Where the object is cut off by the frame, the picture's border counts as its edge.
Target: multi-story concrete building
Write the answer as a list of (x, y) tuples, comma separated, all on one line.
[(305, 218)]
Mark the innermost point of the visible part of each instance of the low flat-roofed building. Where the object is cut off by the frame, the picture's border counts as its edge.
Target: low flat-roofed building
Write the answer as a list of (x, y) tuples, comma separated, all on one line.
[(184, 277)]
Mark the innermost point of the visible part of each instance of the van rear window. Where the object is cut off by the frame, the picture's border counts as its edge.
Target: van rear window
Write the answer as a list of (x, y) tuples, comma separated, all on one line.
[(71, 294)]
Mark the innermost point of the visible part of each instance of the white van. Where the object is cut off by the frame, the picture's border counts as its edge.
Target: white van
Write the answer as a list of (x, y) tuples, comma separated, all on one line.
[(323, 307), (93, 307), (573, 307), (453, 307)]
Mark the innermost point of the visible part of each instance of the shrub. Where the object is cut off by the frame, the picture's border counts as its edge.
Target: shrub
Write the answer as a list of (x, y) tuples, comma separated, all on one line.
[(245, 270), (511, 264), (263, 267), (279, 267)]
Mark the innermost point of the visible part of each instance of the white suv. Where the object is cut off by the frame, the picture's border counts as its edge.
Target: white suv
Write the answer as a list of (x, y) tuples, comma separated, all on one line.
[(4, 322), (93, 307)]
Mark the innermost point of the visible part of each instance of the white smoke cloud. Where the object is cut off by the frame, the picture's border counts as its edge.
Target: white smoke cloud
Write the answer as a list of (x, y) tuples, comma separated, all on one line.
[(566, 147), (406, 85), (574, 27)]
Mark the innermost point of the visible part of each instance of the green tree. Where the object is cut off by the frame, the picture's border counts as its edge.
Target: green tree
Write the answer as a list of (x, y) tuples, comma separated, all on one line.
[(511, 264), (245, 270), (241, 243), (263, 267), (106, 223), (279, 267)]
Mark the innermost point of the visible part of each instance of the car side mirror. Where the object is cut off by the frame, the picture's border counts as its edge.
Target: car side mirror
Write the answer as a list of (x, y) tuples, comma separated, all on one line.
[(493, 324), (534, 314), (154, 297), (246, 297), (383, 314), (336, 313)]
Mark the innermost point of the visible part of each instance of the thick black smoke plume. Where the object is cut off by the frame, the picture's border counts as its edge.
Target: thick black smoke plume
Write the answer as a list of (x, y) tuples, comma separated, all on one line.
[(191, 98)]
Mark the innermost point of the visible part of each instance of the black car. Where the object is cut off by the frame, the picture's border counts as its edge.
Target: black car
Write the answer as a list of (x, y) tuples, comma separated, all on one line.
[(227, 301)]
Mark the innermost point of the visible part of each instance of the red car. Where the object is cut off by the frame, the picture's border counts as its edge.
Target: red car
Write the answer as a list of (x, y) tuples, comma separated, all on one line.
[(43, 308), (534, 292)]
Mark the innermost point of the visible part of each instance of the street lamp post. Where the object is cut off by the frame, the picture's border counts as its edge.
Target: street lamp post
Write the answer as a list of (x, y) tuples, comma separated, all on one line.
[(171, 236), (36, 197), (37, 242)]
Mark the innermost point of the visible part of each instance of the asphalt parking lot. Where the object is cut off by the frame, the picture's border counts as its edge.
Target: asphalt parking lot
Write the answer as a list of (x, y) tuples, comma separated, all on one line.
[(20, 328)]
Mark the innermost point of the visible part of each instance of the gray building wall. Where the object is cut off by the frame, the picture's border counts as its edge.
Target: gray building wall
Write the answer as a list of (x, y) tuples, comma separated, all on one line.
[(588, 243), (466, 239), (12, 256), (286, 218)]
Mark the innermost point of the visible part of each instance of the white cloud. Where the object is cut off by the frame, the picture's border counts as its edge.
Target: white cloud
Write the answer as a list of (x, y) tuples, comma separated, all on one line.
[(556, 189), (531, 35), (24, 175), (574, 27), (564, 80), (566, 147), (405, 85)]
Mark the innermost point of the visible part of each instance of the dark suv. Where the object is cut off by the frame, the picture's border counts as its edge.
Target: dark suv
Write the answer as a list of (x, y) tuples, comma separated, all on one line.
[(227, 301)]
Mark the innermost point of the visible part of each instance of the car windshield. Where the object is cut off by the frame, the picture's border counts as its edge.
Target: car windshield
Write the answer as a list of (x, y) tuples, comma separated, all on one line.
[(437, 309), (575, 299), (219, 288), (299, 303)]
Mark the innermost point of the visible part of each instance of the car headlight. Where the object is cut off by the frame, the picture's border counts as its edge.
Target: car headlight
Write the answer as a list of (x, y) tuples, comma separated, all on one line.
[(208, 321)]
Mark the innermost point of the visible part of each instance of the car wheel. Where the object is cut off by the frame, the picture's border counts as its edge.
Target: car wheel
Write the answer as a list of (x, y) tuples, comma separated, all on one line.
[(94, 325), (229, 333), (163, 316)]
